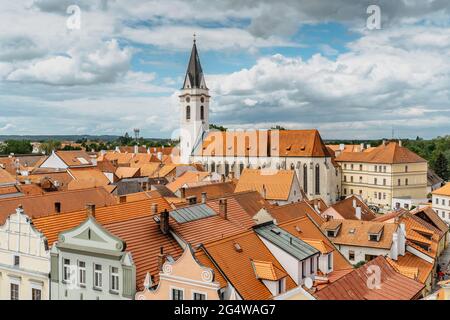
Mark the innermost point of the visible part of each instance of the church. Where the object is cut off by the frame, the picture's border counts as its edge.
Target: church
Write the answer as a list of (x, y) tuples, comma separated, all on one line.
[(229, 153)]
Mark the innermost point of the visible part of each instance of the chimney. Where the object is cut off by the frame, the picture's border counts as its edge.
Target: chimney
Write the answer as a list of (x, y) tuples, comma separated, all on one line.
[(223, 208), (90, 210), (192, 199), (400, 142), (154, 208), (394, 251), (161, 258), (402, 239), (117, 149), (362, 146), (384, 142), (342, 147), (182, 192), (369, 146), (123, 199), (164, 222), (57, 207), (136, 149), (264, 191), (354, 203), (358, 212), (203, 197)]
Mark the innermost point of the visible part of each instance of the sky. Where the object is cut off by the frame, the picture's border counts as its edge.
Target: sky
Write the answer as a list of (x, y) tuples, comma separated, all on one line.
[(300, 64)]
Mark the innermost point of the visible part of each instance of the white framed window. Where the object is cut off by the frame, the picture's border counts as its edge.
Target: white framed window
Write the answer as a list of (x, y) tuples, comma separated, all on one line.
[(66, 269), (16, 261), (176, 294), (114, 279), (82, 273), (98, 276)]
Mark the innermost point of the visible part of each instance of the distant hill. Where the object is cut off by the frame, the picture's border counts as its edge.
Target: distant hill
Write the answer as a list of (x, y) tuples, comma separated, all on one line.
[(41, 138)]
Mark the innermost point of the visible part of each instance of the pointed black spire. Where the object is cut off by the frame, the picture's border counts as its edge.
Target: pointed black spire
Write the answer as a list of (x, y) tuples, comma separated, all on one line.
[(194, 74)]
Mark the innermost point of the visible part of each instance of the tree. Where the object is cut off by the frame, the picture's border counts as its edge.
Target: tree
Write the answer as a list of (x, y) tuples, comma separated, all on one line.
[(278, 127), (50, 145), (441, 166), (125, 140), (216, 127), (17, 147)]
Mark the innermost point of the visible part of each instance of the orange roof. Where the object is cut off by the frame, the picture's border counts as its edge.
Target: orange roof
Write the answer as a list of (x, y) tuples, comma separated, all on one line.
[(291, 143), (413, 267), (346, 209), (213, 227), (353, 285), (265, 270), (277, 183), (429, 215), (213, 190), (234, 255), (144, 239), (63, 178), (356, 233), (127, 172), (187, 177), (389, 153), (30, 189), (293, 211), (347, 147), (43, 205), (75, 158), (147, 169), (6, 178), (250, 201), (443, 191), (306, 230), (86, 178), (165, 170), (53, 224)]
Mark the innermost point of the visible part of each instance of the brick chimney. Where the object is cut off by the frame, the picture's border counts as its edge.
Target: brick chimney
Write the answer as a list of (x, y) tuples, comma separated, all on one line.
[(154, 208), (161, 258), (358, 212), (204, 197), (164, 222), (223, 208), (90, 210)]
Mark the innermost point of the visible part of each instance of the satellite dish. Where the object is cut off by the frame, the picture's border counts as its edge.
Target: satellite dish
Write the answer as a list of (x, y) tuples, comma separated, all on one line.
[(308, 283)]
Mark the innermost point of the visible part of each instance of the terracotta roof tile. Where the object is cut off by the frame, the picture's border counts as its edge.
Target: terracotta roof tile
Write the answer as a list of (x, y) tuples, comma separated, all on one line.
[(277, 183), (443, 191), (213, 190), (346, 209), (76, 158), (412, 266), (186, 177), (293, 211), (353, 286), (265, 270)]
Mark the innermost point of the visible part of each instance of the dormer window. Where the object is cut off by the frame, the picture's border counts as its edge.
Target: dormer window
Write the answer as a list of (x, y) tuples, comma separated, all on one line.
[(373, 237)]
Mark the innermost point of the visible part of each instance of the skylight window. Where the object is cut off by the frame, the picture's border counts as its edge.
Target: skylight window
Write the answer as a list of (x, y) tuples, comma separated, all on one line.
[(82, 160)]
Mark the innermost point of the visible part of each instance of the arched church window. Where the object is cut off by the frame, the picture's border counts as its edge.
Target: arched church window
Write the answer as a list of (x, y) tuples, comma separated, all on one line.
[(202, 113), (317, 179), (292, 166), (188, 113)]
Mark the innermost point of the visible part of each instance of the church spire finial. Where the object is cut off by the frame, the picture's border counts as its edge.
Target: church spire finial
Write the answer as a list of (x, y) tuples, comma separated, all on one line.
[(194, 35)]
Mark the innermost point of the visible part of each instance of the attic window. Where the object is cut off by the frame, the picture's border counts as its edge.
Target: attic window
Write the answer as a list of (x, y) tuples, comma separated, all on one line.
[(82, 160), (237, 247), (288, 148), (302, 147), (331, 233), (374, 237)]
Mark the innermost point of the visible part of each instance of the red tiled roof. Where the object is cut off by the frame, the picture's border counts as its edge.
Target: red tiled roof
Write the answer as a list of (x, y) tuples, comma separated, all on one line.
[(354, 285)]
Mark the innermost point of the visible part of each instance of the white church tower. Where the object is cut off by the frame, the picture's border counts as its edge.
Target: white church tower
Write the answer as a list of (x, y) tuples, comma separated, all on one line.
[(194, 101)]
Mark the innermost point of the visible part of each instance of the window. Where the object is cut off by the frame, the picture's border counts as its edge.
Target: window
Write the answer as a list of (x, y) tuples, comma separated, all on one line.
[(66, 269), (384, 196), (303, 270), (202, 99), (199, 296), (379, 195), (406, 168), (305, 178), (351, 166), (16, 261), (360, 179), (82, 273), (345, 178), (317, 179), (375, 181), (177, 294), (330, 263), (202, 113), (384, 168), (399, 182), (114, 279), (213, 167), (97, 276), (36, 294), (188, 99), (188, 113), (373, 237), (345, 191), (351, 255), (375, 194), (241, 167), (351, 191), (360, 167), (384, 182), (406, 182), (351, 179), (280, 286), (345, 166), (311, 265), (376, 168), (14, 291), (443, 202), (437, 201)]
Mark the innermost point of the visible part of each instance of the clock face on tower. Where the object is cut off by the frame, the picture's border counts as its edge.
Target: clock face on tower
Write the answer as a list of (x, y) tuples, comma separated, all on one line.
[(188, 99), (202, 99)]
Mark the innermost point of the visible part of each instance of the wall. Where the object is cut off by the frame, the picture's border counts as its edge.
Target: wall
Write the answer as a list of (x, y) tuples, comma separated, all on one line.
[(442, 209)]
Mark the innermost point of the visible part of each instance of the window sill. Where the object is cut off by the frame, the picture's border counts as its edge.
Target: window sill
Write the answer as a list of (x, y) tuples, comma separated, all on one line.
[(114, 292), (97, 289)]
